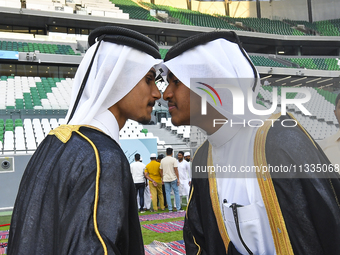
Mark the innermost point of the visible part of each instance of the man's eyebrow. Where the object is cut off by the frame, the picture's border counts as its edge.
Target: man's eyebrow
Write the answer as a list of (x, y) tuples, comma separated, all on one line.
[(153, 72), (169, 76)]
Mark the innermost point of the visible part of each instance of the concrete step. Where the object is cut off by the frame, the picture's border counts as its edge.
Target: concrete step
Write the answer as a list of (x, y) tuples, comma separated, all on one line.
[(164, 135)]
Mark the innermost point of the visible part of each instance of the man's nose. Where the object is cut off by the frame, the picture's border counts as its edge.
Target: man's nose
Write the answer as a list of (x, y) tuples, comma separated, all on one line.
[(156, 93), (168, 94)]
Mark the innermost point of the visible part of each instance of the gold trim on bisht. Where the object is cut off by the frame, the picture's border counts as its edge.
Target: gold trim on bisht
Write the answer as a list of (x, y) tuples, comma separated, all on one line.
[(96, 197), (215, 201), (275, 217), (192, 186), (192, 191), (64, 132)]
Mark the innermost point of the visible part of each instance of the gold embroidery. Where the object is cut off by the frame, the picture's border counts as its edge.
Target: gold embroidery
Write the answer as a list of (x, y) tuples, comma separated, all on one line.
[(276, 221), (215, 201), (192, 191), (96, 198), (64, 132), (199, 247)]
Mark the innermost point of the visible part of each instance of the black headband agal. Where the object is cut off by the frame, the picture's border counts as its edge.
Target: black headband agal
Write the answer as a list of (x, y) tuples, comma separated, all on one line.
[(117, 35), (204, 38), (124, 36)]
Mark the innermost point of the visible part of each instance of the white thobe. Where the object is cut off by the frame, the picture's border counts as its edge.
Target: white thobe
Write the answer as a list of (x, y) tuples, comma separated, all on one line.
[(234, 146)]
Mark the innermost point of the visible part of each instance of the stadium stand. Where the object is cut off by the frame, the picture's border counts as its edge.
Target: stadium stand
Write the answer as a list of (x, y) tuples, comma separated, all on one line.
[(31, 104), (10, 3), (317, 63), (309, 27), (309, 63), (102, 8), (265, 61), (134, 10), (21, 137), (188, 17), (34, 93), (328, 27), (322, 123), (264, 25), (32, 47), (323, 27)]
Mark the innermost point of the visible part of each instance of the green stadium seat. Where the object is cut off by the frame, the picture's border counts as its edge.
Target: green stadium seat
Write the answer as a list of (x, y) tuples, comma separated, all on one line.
[(134, 10), (18, 122)]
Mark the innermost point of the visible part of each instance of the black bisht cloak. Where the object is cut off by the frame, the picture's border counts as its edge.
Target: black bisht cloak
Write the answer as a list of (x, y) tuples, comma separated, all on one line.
[(78, 177), (310, 206), (53, 212)]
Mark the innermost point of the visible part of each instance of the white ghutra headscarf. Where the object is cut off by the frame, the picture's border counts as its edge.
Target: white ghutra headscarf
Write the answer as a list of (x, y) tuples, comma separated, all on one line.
[(115, 71), (218, 58)]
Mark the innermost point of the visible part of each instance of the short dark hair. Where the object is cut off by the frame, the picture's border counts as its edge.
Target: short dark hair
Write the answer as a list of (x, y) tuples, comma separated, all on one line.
[(160, 156), (169, 151), (137, 156), (337, 100), (181, 152)]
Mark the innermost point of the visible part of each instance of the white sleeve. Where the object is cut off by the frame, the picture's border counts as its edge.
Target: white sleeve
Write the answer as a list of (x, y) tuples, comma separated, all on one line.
[(189, 170)]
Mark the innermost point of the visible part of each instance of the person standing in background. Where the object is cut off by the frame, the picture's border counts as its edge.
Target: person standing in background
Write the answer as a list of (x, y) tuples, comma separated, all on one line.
[(171, 180), (137, 171), (187, 156), (184, 176), (153, 174), (159, 158)]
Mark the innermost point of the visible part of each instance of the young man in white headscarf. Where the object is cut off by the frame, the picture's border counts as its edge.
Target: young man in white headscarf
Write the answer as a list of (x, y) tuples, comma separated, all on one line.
[(77, 194), (246, 212)]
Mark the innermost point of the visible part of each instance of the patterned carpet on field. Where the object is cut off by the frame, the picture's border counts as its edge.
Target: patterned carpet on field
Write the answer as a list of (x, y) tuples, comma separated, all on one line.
[(3, 248), (3, 245), (161, 216), (159, 248), (165, 227)]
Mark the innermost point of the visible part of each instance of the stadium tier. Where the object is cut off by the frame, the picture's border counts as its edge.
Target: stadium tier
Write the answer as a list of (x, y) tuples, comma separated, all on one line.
[(134, 10), (309, 27), (264, 25), (23, 136), (317, 63), (188, 17), (265, 61), (34, 93), (308, 63), (322, 122), (41, 47), (329, 27), (324, 27)]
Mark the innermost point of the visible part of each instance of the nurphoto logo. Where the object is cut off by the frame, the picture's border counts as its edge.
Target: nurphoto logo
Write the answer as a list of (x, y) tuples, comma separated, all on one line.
[(214, 91)]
